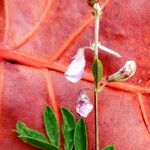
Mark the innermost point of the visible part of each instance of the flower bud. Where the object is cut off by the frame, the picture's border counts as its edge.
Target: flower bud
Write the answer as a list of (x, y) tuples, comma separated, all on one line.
[(126, 72), (84, 107), (75, 70)]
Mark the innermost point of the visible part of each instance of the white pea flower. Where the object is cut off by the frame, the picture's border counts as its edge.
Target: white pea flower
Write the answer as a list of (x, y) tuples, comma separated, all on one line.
[(126, 72), (75, 70), (84, 106)]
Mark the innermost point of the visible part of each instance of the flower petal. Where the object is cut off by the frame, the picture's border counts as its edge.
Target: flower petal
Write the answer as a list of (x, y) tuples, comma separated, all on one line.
[(74, 78), (126, 72), (75, 70), (84, 107)]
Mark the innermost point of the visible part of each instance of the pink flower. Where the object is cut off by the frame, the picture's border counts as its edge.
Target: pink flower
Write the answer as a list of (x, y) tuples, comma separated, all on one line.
[(84, 107), (75, 70)]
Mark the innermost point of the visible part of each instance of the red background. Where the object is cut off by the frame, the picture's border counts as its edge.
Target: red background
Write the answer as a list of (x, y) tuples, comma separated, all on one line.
[(38, 39)]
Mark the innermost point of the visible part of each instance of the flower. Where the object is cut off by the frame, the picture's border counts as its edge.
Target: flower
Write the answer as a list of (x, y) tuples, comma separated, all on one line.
[(84, 107), (126, 72), (75, 70)]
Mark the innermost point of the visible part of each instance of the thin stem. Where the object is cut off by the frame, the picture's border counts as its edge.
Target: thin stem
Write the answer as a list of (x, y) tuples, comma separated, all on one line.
[(97, 12), (96, 121), (96, 94), (97, 19)]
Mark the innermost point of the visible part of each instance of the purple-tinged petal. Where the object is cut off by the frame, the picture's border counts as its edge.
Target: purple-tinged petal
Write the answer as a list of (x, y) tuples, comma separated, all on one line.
[(126, 72), (84, 107), (75, 70), (74, 78)]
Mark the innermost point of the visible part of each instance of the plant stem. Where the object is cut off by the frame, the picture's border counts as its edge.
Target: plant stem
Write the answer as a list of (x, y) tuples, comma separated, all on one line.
[(97, 13), (96, 121), (96, 36)]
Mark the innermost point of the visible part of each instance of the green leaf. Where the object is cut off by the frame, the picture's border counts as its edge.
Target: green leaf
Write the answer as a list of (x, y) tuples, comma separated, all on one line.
[(33, 137), (97, 70), (80, 136), (111, 147), (51, 126), (37, 143), (23, 130), (68, 128)]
